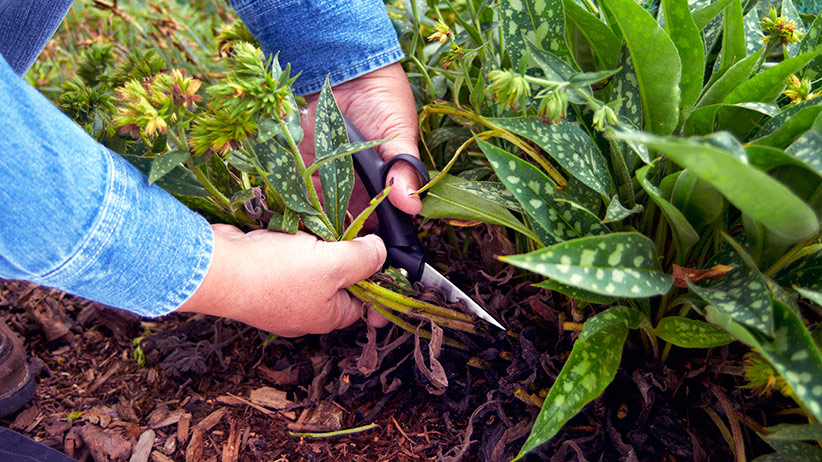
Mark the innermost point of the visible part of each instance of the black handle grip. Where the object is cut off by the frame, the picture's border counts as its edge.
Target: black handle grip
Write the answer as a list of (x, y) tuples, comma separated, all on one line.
[(395, 227)]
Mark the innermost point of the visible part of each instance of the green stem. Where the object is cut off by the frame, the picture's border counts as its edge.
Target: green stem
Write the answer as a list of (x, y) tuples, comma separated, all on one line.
[(390, 299), (349, 431), (408, 327), (424, 72)]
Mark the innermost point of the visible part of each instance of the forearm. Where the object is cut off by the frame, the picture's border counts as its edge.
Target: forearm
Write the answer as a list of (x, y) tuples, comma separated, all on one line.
[(75, 216), (342, 39)]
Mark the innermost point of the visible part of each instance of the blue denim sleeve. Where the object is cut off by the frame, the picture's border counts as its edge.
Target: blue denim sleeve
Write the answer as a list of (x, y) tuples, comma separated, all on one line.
[(340, 38), (25, 28), (78, 217)]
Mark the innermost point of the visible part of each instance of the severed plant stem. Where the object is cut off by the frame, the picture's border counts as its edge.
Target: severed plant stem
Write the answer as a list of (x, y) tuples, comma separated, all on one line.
[(387, 295), (402, 308), (408, 327), (349, 431)]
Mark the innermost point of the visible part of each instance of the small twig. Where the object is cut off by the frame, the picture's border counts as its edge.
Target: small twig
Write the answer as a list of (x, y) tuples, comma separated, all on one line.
[(349, 431)]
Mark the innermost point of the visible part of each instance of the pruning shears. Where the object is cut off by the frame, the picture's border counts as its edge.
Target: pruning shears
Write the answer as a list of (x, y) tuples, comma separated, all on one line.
[(396, 229)]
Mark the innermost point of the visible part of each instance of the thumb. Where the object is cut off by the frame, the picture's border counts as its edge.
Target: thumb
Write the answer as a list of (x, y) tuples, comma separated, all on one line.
[(357, 259)]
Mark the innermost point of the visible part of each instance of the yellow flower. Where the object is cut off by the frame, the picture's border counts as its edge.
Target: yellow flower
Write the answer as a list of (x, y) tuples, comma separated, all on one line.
[(799, 90), (441, 33)]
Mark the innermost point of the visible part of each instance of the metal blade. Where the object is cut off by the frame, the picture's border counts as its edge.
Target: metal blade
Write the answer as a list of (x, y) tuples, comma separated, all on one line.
[(432, 277)]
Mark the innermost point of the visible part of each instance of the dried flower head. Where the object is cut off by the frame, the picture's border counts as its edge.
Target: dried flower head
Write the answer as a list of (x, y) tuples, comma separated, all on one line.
[(778, 30), (441, 33), (799, 90), (508, 87), (553, 106)]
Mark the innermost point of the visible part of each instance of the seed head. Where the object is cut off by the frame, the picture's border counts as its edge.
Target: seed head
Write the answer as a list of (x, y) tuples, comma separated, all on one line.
[(778, 29), (553, 107), (799, 90), (508, 88)]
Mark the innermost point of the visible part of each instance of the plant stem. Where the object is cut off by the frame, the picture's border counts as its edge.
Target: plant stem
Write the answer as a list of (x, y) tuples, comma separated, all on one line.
[(408, 327), (349, 431), (381, 295), (789, 257)]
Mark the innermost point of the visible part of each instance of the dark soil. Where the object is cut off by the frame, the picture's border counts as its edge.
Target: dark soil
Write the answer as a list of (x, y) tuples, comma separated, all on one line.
[(211, 390)]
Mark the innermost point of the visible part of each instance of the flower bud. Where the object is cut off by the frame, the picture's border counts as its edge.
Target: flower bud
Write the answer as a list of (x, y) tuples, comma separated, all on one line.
[(553, 106), (508, 87), (604, 117), (799, 90)]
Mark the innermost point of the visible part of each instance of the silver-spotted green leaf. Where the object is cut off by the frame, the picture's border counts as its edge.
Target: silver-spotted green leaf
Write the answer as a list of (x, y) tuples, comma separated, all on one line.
[(789, 11), (603, 41), (541, 21), (746, 187), (791, 451), (812, 295), (796, 432), (808, 147), (578, 195), (490, 190), (691, 333), (741, 294), (575, 292), (318, 227), (753, 32), (292, 119), (616, 265), (789, 124), (626, 91), (617, 212), (533, 189), (179, 181), (791, 351), (811, 38), (685, 235), (656, 62), (337, 176), (282, 175), (164, 163), (445, 202), (569, 145), (688, 41), (591, 366), (287, 222), (805, 272)]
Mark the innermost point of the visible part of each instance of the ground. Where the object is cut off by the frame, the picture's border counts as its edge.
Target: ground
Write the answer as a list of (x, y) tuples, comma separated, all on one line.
[(214, 390)]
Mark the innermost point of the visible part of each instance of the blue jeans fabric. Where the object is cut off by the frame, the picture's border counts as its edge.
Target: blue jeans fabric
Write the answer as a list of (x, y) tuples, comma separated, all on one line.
[(78, 217), (343, 39)]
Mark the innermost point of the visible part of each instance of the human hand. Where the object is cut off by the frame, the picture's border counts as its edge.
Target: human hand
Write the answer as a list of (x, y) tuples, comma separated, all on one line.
[(380, 104), (286, 284)]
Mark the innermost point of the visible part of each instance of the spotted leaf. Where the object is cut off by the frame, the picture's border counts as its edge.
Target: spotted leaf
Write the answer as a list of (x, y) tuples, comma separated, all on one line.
[(753, 31), (790, 451), (591, 366), (705, 14), (684, 233), (616, 265), (656, 61), (733, 36), (491, 190), (569, 145), (602, 39), (808, 147), (280, 168), (790, 12), (541, 21), (337, 176), (575, 292), (789, 124), (796, 432), (318, 227), (811, 38), (617, 212), (533, 189), (164, 163), (691, 333), (746, 187), (805, 272), (741, 294)]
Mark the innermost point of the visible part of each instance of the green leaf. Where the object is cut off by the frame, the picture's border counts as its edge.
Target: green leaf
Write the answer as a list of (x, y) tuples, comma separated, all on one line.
[(337, 176), (445, 202), (794, 120), (491, 190), (808, 147), (753, 31), (569, 145), (317, 226), (705, 15), (795, 432), (617, 265), (732, 78), (806, 272), (811, 38), (688, 41), (791, 451), (542, 21), (685, 235), (746, 187), (691, 333), (656, 61), (356, 225), (766, 157), (626, 91), (700, 202), (768, 84), (575, 292), (165, 163), (603, 41), (789, 11), (617, 212), (533, 189), (280, 169), (733, 36), (220, 176), (591, 366), (180, 181)]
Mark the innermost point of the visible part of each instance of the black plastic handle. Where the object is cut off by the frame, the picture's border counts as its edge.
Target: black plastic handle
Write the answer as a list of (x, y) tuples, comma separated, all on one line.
[(395, 227)]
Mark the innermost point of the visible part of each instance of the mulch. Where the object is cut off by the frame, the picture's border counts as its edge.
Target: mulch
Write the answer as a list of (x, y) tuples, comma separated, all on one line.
[(218, 390)]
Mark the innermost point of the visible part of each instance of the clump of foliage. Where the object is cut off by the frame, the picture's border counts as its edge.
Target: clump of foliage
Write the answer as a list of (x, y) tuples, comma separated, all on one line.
[(658, 163)]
